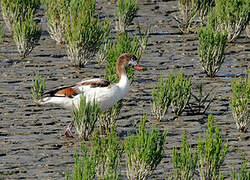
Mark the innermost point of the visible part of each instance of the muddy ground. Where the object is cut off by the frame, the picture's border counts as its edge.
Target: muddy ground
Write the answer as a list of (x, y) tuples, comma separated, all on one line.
[(32, 145)]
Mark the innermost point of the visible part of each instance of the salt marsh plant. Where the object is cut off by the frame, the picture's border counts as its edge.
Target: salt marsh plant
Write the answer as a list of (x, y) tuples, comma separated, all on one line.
[(85, 115), (240, 102), (211, 49), (100, 161), (84, 165), (242, 173), (26, 34), (188, 10), (184, 160), (181, 92), (199, 104), (107, 118), (102, 53), (125, 13), (1, 33), (144, 152), (38, 87), (203, 8), (162, 97), (107, 152), (57, 12), (232, 16), (211, 152), (83, 33), (15, 10)]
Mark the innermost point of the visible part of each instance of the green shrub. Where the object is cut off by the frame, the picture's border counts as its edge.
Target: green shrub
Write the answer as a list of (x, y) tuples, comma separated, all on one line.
[(232, 16), (38, 87), (125, 13), (211, 50), (84, 32), (243, 173), (26, 34), (108, 152), (211, 152), (15, 10), (84, 166), (240, 102), (188, 11), (181, 92), (85, 115), (1, 33), (107, 118), (184, 161), (203, 8), (57, 12), (102, 53), (144, 151), (162, 97), (123, 44)]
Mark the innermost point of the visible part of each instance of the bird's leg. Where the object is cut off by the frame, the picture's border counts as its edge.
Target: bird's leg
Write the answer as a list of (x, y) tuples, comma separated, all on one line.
[(68, 131)]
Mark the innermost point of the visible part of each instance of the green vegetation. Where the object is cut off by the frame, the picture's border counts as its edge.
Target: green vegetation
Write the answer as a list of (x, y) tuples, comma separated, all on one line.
[(144, 151), (1, 33), (211, 50), (188, 10), (100, 161), (38, 87), (203, 8), (107, 152), (174, 91), (162, 97), (240, 101), (107, 118), (184, 161), (15, 10), (85, 115), (232, 16), (125, 13), (83, 33), (26, 34), (242, 173), (84, 166), (181, 92), (57, 12), (211, 152)]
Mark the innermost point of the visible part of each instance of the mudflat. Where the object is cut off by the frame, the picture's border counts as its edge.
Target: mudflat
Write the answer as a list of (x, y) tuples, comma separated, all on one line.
[(32, 145)]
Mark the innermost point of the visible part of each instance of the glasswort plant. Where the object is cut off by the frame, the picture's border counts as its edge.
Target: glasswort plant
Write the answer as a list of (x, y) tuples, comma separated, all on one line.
[(107, 152), (57, 12), (240, 102), (84, 32), (211, 152), (211, 50), (26, 34), (181, 92), (162, 97), (232, 16), (85, 117), (125, 13), (184, 160), (38, 87), (144, 152)]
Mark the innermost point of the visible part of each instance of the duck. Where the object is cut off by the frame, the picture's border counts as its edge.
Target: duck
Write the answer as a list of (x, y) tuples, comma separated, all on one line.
[(102, 91)]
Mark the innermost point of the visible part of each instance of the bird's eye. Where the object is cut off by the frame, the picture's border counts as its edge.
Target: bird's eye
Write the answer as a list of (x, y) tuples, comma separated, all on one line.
[(133, 58)]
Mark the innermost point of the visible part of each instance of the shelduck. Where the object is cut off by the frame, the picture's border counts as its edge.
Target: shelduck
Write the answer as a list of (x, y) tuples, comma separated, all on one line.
[(104, 92)]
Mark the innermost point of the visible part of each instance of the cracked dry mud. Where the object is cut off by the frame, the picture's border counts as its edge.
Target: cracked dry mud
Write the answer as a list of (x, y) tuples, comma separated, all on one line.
[(32, 145)]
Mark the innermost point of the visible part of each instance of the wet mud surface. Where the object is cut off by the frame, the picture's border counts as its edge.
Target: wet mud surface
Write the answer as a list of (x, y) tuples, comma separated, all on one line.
[(32, 145)]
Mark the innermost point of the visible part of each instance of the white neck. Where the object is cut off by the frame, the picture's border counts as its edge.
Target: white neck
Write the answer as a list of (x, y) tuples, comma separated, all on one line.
[(123, 84)]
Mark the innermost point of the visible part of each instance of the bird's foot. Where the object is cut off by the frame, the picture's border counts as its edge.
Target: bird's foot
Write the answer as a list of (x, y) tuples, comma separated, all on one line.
[(68, 131)]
